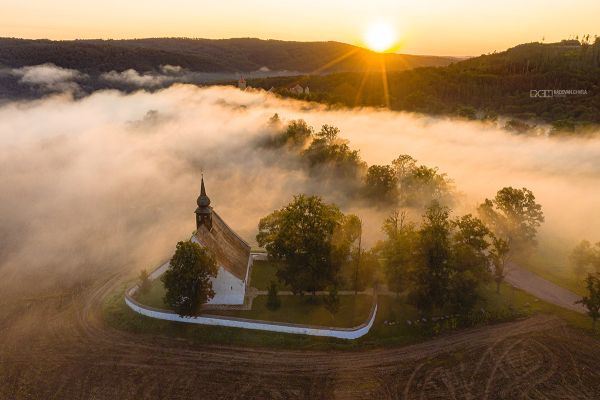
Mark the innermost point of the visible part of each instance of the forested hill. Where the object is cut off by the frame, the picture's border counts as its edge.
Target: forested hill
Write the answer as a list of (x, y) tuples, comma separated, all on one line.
[(480, 87), (202, 55)]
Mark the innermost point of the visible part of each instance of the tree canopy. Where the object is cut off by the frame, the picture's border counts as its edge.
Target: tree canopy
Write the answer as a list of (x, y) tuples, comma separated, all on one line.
[(329, 156), (187, 280), (311, 238), (440, 263), (514, 216)]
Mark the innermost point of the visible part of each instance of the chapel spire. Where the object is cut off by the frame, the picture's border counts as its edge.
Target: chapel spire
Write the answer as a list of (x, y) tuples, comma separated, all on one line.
[(204, 210)]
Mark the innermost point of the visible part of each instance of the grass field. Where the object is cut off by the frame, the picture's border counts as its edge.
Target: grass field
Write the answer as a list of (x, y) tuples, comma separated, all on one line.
[(390, 328), (263, 273), (353, 311)]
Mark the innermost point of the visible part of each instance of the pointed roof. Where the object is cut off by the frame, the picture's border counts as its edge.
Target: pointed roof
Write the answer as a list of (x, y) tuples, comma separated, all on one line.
[(230, 250), (203, 200)]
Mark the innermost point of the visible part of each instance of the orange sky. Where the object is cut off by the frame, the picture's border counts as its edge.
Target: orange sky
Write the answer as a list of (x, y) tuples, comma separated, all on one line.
[(460, 28)]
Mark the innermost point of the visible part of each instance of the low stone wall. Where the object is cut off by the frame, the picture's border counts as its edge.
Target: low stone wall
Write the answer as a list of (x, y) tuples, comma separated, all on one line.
[(215, 320), (231, 322)]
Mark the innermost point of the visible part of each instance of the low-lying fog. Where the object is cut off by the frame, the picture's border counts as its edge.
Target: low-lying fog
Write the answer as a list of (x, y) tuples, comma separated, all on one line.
[(109, 181)]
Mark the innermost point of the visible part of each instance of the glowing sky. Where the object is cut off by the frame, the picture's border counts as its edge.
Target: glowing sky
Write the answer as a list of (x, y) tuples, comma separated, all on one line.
[(460, 27)]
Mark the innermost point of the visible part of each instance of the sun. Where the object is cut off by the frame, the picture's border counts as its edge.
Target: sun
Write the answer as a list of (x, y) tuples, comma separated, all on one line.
[(380, 36)]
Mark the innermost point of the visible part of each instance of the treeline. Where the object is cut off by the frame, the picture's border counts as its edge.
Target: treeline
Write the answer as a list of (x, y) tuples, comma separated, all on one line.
[(201, 55), (442, 262), (479, 88), (439, 265), (329, 158)]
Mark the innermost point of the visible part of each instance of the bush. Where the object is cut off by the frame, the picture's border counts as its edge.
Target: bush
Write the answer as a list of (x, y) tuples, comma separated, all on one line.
[(273, 300), (144, 282)]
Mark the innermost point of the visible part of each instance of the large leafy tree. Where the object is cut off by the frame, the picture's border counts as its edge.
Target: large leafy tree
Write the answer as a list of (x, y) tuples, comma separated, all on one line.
[(432, 276), (327, 148), (398, 250), (441, 263), (470, 264), (187, 280), (513, 215), (301, 236), (419, 185), (381, 183)]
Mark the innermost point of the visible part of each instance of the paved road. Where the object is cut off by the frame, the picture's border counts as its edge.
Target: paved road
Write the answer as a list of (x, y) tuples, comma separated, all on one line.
[(543, 289)]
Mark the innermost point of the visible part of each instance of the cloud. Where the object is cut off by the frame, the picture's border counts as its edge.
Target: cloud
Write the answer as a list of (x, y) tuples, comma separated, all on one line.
[(49, 77), (109, 182), (132, 77), (169, 74)]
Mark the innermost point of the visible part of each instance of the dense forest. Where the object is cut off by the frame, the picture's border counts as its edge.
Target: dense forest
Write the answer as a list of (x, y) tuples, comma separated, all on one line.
[(201, 55), (477, 88), (484, 87)]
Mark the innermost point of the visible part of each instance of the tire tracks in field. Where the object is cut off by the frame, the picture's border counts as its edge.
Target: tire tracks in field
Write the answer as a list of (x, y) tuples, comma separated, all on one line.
[(62, 349)]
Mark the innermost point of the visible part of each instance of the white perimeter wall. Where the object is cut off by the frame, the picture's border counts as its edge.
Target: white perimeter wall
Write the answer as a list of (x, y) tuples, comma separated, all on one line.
[(225, 281), (340, 333)]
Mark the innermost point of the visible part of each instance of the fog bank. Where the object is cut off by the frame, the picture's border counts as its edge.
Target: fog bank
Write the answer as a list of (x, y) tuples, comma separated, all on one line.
[(109, 182)]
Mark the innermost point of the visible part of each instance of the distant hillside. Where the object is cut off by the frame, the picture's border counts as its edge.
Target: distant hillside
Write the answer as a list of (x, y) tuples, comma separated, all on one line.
[(480, 87), (202, 55)]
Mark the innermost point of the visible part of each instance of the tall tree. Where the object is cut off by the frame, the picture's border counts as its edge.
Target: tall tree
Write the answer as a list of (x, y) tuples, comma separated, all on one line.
[(347, 242), (514, 216), (187, 280), (301, 235), (398, 250), (431, 278), (592, 300), (500, 254), (470, 263), (381, 183), (442, 263), (365, 275)]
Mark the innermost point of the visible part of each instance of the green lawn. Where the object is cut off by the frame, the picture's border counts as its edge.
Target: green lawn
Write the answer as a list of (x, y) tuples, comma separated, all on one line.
[(263, 273), (390, 328), (154, 297), (294, 309), (353, 311), (510, 304)]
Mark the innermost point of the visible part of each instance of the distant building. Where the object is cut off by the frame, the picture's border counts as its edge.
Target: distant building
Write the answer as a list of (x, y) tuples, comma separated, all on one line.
[(297, 89), (231, 252), (242, 83)]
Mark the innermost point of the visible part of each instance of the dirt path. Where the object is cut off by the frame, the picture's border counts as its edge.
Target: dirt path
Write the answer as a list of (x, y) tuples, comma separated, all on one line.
[(62, 350), (543, 289)]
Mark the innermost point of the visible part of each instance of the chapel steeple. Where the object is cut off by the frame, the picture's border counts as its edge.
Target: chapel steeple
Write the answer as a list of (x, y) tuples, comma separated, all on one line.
[(204, 210)]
